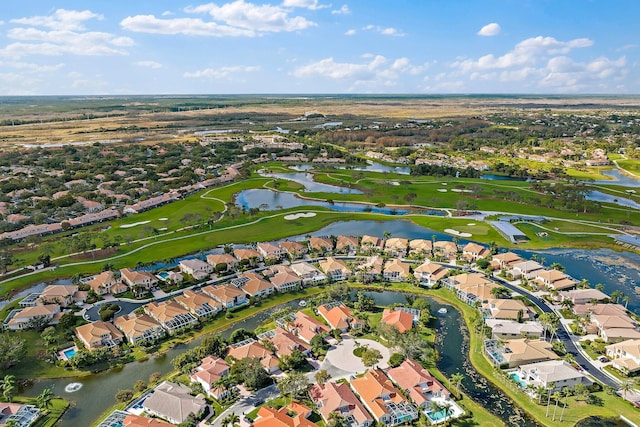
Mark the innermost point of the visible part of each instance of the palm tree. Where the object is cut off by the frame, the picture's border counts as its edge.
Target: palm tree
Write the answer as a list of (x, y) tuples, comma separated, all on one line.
[(540, 390), (625, 387), (336, 419), (600, 287), (233, 419), (447, 410), (616, 295), (435, 406), (44, 399), (625, 300), (456, 379), (556, 396), (549, 389), (584, 284), (567, 393), (8, 387)]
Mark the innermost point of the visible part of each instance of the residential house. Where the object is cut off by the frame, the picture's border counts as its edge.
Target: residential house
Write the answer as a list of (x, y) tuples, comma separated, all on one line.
[(509, 329), (552, 374), (418, 382), (615, 328), (256, 350), (421, 247), (196, 268), (555, 280), (306, 327), (347, 244), (396, 246), (396, 270), (505, 261), (270, 250), (332, 397), (227, 295), (308, 273), (339, 316), (23, 415), (293, 415), (139, 328), (286, 343), (64, 295), (402, 320), (430, 273), (293, 250), (600, 309), (29, 316), (371, 268), (106, 283), (583, 296), (320, 245), (473, 252), (335, 269), (625, 355), (247, 256), (445, 249), (198, 303), (253, 284), (173, 402), (210, 370), (526, 270), (507, 309), (138, 279), (519, 351), (383, 400), (171, 315), (229, 261), (369, 244), (132, 420), (99, 334), (285, 280)]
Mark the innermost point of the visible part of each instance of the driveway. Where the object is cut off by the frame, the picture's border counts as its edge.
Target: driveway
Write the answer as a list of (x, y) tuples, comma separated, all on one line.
[(247, 404), (341, 357)]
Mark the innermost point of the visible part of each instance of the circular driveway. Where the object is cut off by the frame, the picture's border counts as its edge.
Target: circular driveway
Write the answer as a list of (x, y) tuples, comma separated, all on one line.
[(341, 356)]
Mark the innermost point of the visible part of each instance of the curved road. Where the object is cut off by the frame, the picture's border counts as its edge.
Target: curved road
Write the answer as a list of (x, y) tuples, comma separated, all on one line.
[(563, 335)]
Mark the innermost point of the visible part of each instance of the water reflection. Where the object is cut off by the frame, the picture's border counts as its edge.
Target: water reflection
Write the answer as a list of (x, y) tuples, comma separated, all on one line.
[(618, 179), (599, 196), (310, 185)]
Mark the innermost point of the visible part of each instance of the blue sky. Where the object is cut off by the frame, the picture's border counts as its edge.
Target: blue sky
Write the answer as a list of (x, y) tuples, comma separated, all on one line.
[(72, 47)]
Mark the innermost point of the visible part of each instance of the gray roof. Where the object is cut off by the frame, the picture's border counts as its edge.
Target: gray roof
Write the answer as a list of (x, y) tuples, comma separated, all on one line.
[(173, 401), (509, 230), (629, 240)]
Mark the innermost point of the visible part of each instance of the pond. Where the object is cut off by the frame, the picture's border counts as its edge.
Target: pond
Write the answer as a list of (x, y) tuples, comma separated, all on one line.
[(618, 179), (306, 179), (378, 167), (599, 196), (269, 200), (492, 177)]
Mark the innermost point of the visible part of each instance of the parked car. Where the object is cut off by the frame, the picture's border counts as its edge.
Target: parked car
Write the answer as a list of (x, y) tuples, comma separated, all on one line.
[(603, 359)]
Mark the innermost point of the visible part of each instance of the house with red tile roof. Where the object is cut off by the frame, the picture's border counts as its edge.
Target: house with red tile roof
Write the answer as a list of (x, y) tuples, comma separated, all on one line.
[(320, 244), (227, 295), (396, 270), (253, 284), (335, 269), (334, 397), (306, 327), (227, 259), (196, 268), (270, 250), (473, 251), (399, 319), (133, 420), (292, 415), (256, 350), (339, 316), (98, 334), (198, 303), (429, 273), (418, 382), (286, 343), (210, 370), (346, 244), (171, 315), (293, 249)]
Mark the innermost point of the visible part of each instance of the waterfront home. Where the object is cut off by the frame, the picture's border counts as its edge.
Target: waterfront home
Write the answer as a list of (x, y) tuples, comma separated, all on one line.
[(420, 247), (306, 327), (507, 309), (270, 250), (293, 250), (139, 328), (429, 273), (171, 315), (347, 244), (470, 287), (505, 261), (625, 356), (23, 415), (369, 244), (520, 351), (383, 400), (418, 382), (106, 283), (286, 342), (293, 415), (320, 245), (445, 249), (396, 270), (339, 316), (28, 317), (335, 269), (552, 374), (615, 328), (64, 295), (256, 350), (132, 420), (196, 268), (227, 295), (98, 334), (396, 246), (583, 296), (173, 402), (210, 370), (371, 268), (332, 397), (253, 284), (555, 280), (526, 270), (225, 261), (135, 279), (248, 256), (508, 329), (308, 273), (400, 319), (285, 279), (473, 252), (198, 303), (599, 309)]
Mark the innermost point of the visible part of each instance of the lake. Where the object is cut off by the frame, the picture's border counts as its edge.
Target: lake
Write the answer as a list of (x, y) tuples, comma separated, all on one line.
[(306, 179)]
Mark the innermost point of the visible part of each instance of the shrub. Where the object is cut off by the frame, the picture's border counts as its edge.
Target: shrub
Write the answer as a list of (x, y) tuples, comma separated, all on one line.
[(396, 359)]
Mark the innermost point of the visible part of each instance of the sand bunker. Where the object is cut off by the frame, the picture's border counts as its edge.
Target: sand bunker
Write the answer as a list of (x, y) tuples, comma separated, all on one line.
[(458, 190), (162, 229), (291, 217), (442, 190), (396, 183), (457, 233), (135, 224), (163, 219), (471, 224)]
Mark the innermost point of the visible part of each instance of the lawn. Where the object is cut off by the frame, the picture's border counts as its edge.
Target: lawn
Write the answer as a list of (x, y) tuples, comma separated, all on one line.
[(52, 415)]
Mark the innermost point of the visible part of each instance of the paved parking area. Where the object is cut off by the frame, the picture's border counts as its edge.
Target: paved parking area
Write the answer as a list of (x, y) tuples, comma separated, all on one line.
[(341, 356)]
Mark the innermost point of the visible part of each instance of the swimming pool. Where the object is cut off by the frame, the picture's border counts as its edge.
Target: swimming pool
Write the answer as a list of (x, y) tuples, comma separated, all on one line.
[(163, 275), (69, 353), (517, 379), (438, 415)]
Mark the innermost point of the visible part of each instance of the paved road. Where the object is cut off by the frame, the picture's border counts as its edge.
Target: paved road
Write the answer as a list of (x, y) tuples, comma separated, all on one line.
[(563, 335), (247, 404)]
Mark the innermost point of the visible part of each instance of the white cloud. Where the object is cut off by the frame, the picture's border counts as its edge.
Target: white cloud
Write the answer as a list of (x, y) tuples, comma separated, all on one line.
[(307, 4), (350, 32), (344, 10), (167, 13), (74, 75), (488, 30), (30, 67), (148, 64), (185, 26), (385, 31), (222, 72), (70, 20)]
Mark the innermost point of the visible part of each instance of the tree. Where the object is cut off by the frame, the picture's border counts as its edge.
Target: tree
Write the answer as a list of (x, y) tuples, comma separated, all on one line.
[(567, 303), (336, 419), (338, 291), (213, 344), (600, 287), (364, 302), (549, 322), (396, 359), (241, 335), (155, 377), (456, 380), (140, 386), (6, 259), (500, 292), (371, 356), (293, 385), (292, 361), (8, 387), (625, 300), (124, 395), (557, 266), (251, 373), (616, 295), (322, 376), (625, 387), (559, 348), (43, 401), (556, 397)]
